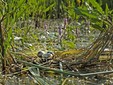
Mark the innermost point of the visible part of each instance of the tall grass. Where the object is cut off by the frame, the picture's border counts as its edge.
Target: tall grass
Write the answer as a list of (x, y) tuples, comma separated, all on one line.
[(13, 11), (9, 14)]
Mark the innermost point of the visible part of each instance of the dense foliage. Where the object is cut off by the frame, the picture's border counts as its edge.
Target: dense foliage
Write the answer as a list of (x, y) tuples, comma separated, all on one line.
[(19, 18)]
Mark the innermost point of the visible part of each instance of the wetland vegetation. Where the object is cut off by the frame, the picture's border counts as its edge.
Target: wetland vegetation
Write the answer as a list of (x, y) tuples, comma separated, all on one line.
[(56, 42)]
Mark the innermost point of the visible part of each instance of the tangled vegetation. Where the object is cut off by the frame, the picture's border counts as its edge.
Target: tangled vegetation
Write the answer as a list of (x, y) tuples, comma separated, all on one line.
[(56, 42)]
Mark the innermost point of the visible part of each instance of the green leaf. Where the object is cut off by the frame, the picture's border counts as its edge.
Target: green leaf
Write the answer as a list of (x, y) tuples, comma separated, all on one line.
[(20, 3), (69, 44), (8, 40), (48, 8), (106, 10), (85, 12), (97, 6), (71, 13), (96, 26)]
